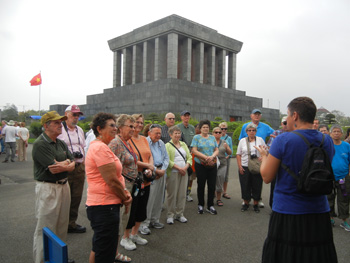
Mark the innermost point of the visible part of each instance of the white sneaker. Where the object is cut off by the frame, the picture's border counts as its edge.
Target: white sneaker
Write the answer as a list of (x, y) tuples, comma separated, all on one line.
[(261, 204), (138, 240), (182, 219), (144, 230), (170, 221), (189, 198), (127, 243)]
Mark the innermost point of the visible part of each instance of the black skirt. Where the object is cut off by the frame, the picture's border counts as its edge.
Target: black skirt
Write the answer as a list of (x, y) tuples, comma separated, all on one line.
[(299, 239)]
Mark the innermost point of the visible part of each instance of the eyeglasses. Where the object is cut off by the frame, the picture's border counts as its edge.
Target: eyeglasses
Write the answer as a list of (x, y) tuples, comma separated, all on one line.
[(284, 123), (217, 132), (76, 114), (171, 119), (224, 129), (251, 130), (130, 126), (112, 125)]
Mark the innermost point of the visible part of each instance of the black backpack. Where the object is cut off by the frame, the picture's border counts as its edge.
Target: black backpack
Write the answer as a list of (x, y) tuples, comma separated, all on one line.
[(316, 176)]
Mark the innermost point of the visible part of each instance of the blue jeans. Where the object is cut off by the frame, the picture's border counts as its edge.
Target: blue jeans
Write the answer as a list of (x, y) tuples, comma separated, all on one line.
[(2, 145)]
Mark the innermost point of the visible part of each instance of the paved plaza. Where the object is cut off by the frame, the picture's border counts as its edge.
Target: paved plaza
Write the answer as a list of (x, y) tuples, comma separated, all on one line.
[(230, 236)]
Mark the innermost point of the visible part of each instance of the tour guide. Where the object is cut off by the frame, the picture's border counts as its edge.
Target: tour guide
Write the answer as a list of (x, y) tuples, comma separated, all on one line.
[(52, 162)]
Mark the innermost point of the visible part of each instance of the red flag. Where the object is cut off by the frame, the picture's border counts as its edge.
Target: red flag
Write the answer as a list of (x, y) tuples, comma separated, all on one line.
[(36, 80)]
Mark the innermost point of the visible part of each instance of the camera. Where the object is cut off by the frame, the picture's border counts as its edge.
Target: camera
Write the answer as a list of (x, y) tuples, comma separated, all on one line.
[(78, 155), (253, 156)]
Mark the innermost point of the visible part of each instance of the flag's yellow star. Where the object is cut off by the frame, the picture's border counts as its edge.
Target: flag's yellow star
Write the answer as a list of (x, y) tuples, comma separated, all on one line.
[(38, 80)]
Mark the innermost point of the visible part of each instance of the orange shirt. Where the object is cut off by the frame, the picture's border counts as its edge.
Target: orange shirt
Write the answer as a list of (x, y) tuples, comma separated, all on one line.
[(143, 147), (98, 192)]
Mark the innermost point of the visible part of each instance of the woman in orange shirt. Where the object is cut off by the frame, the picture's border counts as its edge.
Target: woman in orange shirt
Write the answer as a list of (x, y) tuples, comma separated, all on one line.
[(106, 190)]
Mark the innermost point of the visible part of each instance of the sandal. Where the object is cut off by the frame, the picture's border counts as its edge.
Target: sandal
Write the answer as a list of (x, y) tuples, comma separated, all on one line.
[(121, 258), (225, 195), (219, 203)]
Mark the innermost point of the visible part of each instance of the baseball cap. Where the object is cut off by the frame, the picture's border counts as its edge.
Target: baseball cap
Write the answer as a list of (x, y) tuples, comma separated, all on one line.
[(255, 111), (74, 108), (52, 116), (185, 112)]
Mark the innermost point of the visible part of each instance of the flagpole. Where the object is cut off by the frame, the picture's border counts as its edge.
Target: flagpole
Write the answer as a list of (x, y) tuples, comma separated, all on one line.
[(39, 98)]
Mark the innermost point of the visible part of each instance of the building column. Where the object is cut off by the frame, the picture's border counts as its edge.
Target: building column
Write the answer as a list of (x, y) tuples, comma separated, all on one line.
[(160, 58), (117, 71), (232, 70), (211, 66), (199, 62), (221, 68), (172, 60), (127, 66), (186, 59), (136, 64)]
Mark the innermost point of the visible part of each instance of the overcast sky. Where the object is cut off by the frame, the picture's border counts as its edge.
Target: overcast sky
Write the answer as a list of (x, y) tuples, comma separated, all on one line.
[(290, 48)]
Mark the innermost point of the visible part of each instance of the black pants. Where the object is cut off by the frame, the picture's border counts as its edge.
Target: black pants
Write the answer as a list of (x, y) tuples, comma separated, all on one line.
[(205, 175), (251, 185), (104, 220)]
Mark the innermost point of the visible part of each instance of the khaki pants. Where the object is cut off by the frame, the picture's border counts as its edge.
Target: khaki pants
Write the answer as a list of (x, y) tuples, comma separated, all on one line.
[(52, 203), (76, 180), (22, 150), (124, 218), (176, 186)]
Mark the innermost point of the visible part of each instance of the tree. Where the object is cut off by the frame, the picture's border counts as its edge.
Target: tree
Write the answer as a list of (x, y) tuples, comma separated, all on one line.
[(10, 113), (341, 118), (330, 119)]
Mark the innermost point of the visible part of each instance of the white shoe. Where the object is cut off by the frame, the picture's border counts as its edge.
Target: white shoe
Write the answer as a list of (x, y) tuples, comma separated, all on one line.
[(189, 198), (127, 243), (182, 219), (261, 204), (170, 221), (144, 230), (138, 240)]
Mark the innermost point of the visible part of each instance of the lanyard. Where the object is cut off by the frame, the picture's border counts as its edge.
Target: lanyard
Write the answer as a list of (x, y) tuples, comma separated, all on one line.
[(129, 150)]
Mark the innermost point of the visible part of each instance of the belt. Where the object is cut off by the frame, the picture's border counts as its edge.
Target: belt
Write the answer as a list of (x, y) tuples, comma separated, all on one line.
[(63, 181)]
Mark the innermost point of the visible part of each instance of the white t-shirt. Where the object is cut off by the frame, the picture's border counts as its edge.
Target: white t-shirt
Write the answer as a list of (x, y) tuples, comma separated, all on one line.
[(178, 160), (242, 149), (10, 133), (24, 133)]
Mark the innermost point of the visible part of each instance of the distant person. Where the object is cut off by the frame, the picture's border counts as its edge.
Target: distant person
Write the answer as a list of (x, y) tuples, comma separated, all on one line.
[(228, 139), (52, 162), (347, 135), (74, 137), (23, 135), (263, 131), (157, 191), (180, 159), (2, 144), (299, 229), (340, 165), (316, 124), (188, 132), (324, 129), (9, 132), (224, 150), (169, 122), (269, 143), (205, 150), (106, 191), (251, 183)]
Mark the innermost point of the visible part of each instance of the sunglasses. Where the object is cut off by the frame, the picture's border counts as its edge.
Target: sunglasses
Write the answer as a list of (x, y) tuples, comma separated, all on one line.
[(217, 132), (251, 130), (171, 119), (112, 125), (224, 129), (76, 114), (130, 126)]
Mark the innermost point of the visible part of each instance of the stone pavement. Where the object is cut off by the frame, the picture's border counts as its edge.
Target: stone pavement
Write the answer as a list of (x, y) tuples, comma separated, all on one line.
[(230, 236)]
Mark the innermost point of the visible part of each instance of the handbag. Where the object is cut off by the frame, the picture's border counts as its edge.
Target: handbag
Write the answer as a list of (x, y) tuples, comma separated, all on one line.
[(253, 164), (189, 169)]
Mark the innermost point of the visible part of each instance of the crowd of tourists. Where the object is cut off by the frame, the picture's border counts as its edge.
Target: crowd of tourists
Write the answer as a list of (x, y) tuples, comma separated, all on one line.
[(131, 178)]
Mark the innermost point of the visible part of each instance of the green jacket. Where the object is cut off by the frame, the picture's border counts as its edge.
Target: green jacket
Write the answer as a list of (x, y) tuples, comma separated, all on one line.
[(171, 153)]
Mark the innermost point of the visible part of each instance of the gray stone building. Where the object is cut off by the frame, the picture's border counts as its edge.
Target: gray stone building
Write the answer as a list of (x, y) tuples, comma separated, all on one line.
[(175, 64)]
